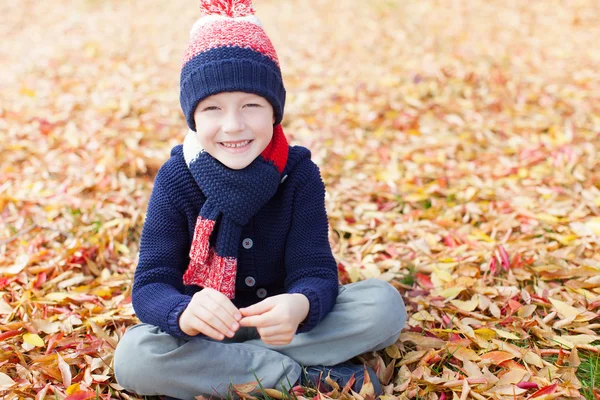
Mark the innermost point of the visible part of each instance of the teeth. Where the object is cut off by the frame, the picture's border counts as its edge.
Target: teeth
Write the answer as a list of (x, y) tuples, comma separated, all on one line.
[(240, 144)]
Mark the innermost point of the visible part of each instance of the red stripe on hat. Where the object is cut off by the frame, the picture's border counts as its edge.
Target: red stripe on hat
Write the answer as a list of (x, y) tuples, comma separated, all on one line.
[(223, 33)]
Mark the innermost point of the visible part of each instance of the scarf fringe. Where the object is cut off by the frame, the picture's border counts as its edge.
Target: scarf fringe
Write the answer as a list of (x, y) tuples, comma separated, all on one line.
[(217, 272)]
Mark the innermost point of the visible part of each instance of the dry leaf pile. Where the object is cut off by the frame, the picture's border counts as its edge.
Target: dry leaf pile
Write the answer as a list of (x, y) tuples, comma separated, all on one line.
[(459, 142)]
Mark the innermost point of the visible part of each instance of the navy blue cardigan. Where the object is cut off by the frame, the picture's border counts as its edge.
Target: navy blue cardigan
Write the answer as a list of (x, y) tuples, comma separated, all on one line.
[(284, 247)]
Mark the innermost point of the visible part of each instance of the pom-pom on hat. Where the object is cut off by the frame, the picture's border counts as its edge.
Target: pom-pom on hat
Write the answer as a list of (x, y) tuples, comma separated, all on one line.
[(229, 52)]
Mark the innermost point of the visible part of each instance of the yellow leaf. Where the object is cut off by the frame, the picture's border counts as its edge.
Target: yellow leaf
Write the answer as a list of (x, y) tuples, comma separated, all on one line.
[(56, 296), (416, 197), (274, 394), (467, 306), (393, 351), (411, 357), (577, 339), (533, 359), (526, 311), (422, 315), (564, 341), (479, 235), (512, 376), (594, 225), (485, 333), (446, 260), (564, 239), (506, 335), (122, 248), (547, 218), (443, 275), (462, 353), (27, 92), (565, 310), (33, 340), (423, 341), (507, 390), (73, 388), (451, 292), (102, 291)]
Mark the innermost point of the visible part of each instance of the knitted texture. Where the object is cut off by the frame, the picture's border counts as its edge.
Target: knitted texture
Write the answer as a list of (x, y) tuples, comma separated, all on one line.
[(290, 251), (229, 51), (233, 197)]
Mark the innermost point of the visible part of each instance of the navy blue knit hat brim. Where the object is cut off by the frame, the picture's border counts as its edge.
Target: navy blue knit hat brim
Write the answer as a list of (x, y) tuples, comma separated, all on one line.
[(230, 69)]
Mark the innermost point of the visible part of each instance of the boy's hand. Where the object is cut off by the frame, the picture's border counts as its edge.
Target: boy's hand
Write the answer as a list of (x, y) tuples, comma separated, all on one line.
[(211, 313), (277, 318)]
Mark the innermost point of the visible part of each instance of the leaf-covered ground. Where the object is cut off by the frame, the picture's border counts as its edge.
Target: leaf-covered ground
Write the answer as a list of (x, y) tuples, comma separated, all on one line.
[(459, 142)]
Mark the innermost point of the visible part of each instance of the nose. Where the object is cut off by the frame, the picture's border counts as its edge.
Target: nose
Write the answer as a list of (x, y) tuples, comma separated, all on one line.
[(233, 122)]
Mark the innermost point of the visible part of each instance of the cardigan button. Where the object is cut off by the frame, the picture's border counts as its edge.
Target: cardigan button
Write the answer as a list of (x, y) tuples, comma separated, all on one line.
[(261, 293), (247, 243), (250, 281)]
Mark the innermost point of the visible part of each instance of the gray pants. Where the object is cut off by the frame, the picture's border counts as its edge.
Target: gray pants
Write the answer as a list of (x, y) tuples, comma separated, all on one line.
[(368, 315)]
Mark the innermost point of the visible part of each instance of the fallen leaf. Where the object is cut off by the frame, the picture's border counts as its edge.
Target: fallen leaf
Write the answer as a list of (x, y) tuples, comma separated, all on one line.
[(496, 357), (65, 370), (6, 381), (33, 339), (544, 391), (565, 310)]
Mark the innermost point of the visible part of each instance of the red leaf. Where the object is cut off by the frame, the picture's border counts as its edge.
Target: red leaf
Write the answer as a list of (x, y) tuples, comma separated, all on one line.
[(545, 390), (493, 264), (424, 281), (504, 258), (527, 385), (9, 334), (40, 280)]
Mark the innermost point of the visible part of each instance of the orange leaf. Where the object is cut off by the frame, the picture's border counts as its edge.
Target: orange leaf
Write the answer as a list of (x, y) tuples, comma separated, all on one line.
[(81, 395), (496, 357)]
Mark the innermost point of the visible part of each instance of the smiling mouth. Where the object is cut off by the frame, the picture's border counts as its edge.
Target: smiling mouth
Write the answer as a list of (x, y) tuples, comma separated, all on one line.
[(237, 144)]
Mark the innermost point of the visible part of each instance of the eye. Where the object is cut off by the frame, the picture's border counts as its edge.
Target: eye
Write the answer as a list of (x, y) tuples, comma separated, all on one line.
[(210, 108), (252, 105)]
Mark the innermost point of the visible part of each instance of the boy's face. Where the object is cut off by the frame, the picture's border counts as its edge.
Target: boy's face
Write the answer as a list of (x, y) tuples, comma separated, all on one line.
[(234, 127)]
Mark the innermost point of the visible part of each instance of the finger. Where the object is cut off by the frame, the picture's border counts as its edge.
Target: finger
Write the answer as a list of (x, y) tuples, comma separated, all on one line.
[(226, 303), (273, 330), (204, 328), (212, 320), (277, 340), (220, 312), (258, 308), (257, 321)]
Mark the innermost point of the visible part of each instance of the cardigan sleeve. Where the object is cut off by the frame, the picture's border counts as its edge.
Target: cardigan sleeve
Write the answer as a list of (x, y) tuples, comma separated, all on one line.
[(310, 266), (157, 293)]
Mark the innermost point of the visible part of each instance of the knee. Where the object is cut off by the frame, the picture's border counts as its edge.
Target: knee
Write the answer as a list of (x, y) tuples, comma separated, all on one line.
[(385, 310), (128, 357)]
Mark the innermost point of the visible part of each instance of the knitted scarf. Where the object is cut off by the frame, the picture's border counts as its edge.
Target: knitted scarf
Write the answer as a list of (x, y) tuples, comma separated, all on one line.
[(232, 198)]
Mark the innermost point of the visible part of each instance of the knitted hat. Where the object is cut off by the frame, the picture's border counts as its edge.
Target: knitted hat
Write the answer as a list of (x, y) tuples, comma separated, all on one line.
[(229, 52)]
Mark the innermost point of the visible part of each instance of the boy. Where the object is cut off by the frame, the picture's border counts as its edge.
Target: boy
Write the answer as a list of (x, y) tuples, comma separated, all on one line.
[(236, 279)]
